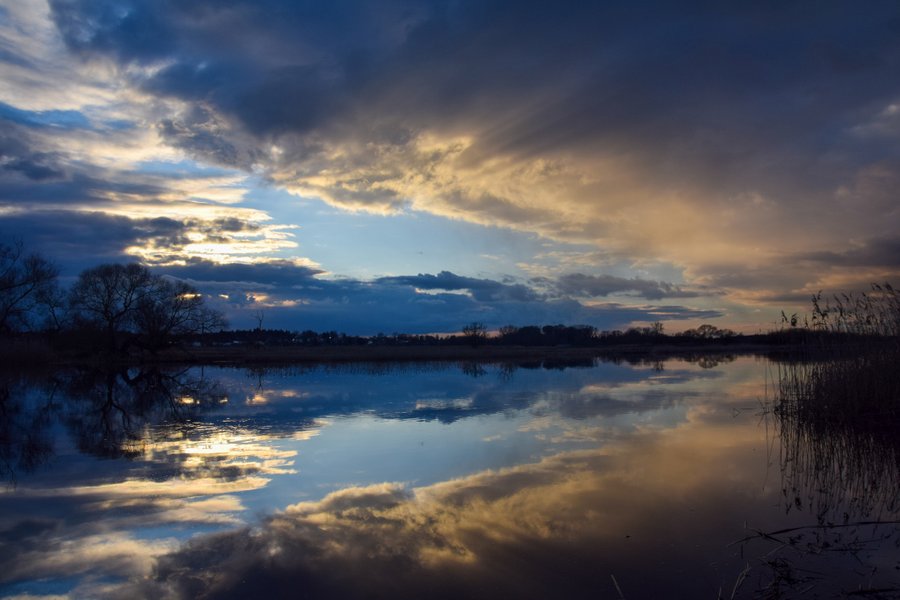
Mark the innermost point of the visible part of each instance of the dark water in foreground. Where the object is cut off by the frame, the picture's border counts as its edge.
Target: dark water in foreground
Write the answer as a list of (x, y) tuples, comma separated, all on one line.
[(442, 481)]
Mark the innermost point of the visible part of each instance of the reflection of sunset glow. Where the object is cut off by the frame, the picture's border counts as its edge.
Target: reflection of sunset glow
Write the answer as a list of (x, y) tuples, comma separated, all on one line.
[(142, 489), (266, 396), (209, 448), (257, 399), (307, 434), (249, 452)]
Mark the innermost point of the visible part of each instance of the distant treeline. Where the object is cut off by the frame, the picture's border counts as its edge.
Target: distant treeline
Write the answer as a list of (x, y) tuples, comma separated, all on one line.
[(477, 335)]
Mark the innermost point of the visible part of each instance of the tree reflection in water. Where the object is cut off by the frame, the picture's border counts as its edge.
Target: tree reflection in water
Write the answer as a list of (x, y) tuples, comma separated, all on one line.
[(108, 412), (113, 409), (25, 442)]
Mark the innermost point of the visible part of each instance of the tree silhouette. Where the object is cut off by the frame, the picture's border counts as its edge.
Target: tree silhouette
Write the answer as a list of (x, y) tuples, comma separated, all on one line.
[(172, 308), (26, 280), (129, 304), (475, 332)]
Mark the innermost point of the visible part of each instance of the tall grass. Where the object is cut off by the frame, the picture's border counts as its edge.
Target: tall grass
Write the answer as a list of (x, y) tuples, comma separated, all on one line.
[(838, 407), (873, 314)]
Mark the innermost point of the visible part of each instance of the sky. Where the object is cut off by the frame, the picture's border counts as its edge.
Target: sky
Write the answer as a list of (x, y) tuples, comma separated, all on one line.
[(400, 166)]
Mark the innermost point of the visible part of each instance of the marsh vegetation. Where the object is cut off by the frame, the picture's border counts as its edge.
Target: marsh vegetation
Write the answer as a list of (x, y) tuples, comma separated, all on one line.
[(845, 377), (837, 413)]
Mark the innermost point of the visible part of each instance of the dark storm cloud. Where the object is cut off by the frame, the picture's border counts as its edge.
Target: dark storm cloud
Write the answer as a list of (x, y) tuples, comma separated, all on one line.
[(579, 121), (874, 252), (278, 274), (579, 284), (718, 86), (81, 239), (200, 133), (128, 30), (286, 66), (37, 166), (296, 297), (59, 186), (485, 290), (572, 284)]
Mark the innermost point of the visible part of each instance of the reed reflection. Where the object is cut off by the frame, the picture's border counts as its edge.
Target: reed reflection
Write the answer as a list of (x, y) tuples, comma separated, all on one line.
[(836, 424)]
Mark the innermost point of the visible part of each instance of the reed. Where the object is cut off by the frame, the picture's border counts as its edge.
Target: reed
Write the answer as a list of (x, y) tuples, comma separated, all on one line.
[(872, 314), (838, 408)]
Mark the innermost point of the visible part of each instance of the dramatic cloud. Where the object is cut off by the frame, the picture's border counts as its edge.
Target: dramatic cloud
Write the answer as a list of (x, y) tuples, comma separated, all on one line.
[(695, 150), (481, 289), (436, 106), (578, 284), (876, 252), (296, 296)]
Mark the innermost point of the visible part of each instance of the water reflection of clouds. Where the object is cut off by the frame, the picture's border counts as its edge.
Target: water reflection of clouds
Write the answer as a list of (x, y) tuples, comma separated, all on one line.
[(442, 395), (95, 531), (178, 483), (222, 452), (197, 476), (92, 556), (662, 501), (561, 525)]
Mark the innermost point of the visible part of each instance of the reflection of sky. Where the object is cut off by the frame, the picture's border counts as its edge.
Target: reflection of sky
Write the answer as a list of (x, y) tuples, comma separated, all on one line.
[(412, 434), (522, 458)]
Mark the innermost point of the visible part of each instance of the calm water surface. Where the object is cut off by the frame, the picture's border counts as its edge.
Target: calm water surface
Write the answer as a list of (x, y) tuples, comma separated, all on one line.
[(655, 480)]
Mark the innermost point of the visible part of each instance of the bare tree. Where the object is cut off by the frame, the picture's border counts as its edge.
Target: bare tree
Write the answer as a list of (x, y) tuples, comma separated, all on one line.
[(475, 332), (108, 296), (171, 308), (25, 280), (120, 299)]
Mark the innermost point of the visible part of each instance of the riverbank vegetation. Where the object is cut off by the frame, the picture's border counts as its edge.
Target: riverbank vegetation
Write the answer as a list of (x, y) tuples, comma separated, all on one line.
[(836, 409), (837, 405), (846, 365)]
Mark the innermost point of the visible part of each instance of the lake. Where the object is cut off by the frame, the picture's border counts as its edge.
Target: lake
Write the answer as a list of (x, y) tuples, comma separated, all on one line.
[(640, 479)]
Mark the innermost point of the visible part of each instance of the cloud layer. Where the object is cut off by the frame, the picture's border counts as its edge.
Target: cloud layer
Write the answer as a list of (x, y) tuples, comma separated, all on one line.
[(722, 156)]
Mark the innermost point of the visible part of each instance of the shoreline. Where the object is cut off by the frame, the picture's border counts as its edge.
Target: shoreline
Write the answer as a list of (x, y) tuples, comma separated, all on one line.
[(351, 354), (31, 355)]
